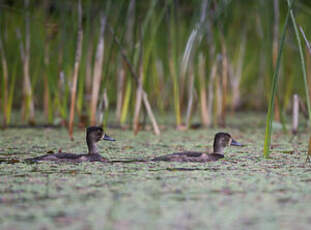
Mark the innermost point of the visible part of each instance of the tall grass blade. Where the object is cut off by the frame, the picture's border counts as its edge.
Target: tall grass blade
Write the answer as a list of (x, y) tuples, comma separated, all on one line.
[(273, 90), (98, 71), (275, 45), (303, 66), (203, 94), (76, 71), (5, 84)]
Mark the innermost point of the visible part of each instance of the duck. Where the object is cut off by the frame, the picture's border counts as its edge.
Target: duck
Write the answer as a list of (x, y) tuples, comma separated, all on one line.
[(94, 134), (221, 141)]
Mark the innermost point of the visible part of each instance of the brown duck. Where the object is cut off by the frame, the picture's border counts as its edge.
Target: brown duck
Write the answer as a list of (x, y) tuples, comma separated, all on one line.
[(221, 141), (93, 135)]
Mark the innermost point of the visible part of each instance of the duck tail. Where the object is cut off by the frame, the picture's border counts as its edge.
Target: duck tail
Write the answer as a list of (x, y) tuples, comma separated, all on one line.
[(35, 159)]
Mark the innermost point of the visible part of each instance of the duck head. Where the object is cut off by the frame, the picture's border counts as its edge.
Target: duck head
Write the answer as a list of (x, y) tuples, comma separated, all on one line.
[(222, 140), (93, 135)]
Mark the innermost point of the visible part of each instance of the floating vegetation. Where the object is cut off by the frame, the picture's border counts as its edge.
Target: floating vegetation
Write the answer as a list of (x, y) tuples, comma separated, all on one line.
[(154, 193)]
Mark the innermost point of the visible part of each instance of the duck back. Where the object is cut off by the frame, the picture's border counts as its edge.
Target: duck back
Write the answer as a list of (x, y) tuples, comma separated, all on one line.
[(189, 157), (68, 157)]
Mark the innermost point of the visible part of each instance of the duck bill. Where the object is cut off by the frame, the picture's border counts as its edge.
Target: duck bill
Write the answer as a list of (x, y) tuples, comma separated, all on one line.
[(235, 143), (107, 138)]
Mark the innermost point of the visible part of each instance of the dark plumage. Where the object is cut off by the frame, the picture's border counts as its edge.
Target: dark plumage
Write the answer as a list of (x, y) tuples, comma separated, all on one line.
[(221, 141), (93, 135)]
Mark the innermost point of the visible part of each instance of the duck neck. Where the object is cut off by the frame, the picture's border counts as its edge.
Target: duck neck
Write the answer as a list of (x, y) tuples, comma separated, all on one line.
[(218, 149), (91, 146)]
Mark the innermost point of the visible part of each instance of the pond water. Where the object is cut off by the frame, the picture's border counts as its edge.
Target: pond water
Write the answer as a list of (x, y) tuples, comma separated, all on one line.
[(242, 191)]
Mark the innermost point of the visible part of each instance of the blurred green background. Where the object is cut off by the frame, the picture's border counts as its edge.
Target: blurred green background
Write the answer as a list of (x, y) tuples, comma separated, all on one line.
[(203, 57)]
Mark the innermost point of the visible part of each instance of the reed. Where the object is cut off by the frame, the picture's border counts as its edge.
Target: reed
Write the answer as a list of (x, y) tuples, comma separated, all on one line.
[(295, 119), (274, 89), (129, 39), (173, 62), (46, 96), (303, 66), (202, 89), (139, 90), (98, 70), (235, 73), (5, 84), (177, 49), (211, 92), (135, 77), (224, 81), (275, 45), (10, 96), (76, 71), (28, 110)]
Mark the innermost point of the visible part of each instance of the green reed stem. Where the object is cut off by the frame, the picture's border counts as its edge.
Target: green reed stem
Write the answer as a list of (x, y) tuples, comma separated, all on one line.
[(274, 90), (126, 102), (303, 65)]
